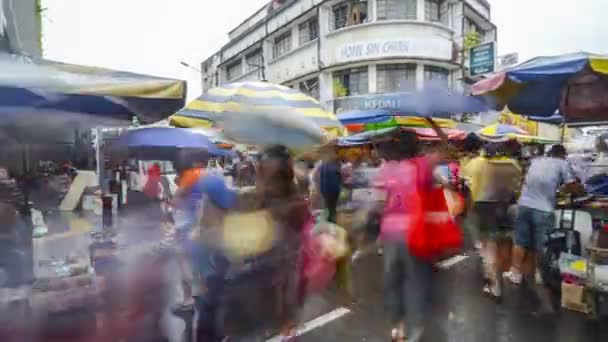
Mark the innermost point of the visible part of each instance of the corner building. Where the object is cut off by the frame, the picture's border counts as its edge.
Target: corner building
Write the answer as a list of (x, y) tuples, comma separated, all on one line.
[(353, 54)]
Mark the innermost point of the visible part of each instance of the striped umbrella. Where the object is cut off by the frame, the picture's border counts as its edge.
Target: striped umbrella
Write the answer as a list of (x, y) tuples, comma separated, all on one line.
[(237, 99)]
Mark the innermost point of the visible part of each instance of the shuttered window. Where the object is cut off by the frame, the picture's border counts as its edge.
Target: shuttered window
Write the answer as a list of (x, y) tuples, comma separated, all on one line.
[(340, 16), (396, 9), (356, 80), (234, 70), (309, 30), (282, 45), (436, 76), (395, 78), (254, 60)]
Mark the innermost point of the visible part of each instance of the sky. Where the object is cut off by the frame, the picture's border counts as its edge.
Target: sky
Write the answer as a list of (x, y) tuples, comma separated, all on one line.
[(153, 36)]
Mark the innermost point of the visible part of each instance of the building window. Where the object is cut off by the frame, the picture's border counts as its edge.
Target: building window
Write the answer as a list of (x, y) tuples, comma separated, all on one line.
[(355, 80), (309, 30), (396, 9), (348, 13), (340, 15), (471, 27), (311, 87), (432, 10), (437, 75), (395, 78), (254, 60), (234, 70), (282, 45)]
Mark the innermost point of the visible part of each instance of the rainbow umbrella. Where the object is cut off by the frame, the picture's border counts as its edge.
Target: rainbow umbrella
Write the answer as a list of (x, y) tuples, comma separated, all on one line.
[(575, 84)]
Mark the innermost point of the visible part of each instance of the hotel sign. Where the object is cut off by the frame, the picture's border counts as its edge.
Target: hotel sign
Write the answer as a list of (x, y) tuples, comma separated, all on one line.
[(411, 47)]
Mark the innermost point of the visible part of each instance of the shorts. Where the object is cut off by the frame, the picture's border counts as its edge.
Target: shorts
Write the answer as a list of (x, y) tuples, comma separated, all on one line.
[(531, 227), (492, 220)]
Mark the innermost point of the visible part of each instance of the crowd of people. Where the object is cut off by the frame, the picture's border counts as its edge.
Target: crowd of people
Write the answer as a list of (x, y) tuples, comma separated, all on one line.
[(502, 210)]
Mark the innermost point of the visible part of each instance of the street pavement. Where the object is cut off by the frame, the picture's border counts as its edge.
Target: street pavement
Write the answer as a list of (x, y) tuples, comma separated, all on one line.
[(460, 311)]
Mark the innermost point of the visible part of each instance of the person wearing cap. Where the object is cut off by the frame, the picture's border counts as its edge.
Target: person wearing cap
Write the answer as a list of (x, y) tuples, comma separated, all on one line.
[(535, 217)]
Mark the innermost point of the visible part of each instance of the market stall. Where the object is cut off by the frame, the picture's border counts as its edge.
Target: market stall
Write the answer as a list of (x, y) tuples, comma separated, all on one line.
[(575, 85)]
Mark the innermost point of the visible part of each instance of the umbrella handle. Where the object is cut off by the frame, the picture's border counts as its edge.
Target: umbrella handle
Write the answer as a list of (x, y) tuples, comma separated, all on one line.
[(440, 133)]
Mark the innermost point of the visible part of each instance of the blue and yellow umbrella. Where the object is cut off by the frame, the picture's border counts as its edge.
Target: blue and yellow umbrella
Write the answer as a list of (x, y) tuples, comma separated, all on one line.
[(237, 99)]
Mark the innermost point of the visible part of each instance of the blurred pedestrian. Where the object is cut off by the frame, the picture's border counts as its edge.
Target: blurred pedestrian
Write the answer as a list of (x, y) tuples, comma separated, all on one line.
[(329, 178), (494, 180), (290, 212), (187, 198), (209, 261), (407, 278), (535, 217)]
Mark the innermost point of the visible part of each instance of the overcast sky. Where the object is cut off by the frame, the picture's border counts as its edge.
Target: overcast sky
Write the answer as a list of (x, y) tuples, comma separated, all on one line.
[(153, 36)]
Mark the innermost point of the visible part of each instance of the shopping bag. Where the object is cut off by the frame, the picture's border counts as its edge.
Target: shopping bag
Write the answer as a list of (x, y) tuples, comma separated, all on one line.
[(333, 239), (434, 232), (318, 265)]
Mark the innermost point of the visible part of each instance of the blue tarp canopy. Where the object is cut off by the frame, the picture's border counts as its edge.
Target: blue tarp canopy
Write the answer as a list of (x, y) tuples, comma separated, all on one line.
[(43, 99)]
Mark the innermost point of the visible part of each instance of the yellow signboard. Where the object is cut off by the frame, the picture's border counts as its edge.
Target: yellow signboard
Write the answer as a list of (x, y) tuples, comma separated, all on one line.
[(509, 118)]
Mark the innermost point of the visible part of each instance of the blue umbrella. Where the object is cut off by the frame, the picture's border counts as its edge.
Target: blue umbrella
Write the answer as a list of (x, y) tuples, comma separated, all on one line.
[(575, 83), (162, 143)]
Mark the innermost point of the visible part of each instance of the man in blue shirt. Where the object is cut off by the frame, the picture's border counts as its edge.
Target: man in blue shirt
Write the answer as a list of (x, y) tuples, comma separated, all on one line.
[(330, 184), (535, 214)]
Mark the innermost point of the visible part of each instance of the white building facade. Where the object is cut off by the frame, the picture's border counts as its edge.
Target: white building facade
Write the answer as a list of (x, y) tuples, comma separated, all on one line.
[(353, 54), (20, 26)]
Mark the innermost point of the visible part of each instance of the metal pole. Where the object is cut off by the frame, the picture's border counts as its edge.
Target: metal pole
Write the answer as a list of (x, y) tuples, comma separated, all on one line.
[(99, 157)]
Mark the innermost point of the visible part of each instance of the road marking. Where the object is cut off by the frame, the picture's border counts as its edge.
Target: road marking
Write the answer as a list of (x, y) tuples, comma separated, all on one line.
[(446, 264), (316, 323)]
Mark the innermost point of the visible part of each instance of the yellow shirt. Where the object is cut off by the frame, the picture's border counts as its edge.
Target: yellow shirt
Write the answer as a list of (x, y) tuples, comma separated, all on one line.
[(492, 179)]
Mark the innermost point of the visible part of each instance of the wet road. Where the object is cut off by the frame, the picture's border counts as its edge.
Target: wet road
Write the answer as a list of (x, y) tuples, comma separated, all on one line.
[(461, 312)]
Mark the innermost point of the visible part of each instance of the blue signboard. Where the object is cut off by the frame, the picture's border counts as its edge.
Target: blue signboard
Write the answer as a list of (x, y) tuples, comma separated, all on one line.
[(366, 102)]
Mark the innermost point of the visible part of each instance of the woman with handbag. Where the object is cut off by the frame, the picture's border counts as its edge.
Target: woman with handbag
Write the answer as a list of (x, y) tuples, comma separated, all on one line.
[(404, 185)]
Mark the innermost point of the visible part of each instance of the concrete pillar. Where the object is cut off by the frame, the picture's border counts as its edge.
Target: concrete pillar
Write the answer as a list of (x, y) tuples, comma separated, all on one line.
[(420, 10), (326, 90), (372, 78), (419, 76), (244, 66), (373, 10), (267, 51)]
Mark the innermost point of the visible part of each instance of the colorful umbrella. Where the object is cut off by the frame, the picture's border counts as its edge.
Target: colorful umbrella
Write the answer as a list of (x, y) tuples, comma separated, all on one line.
[(238, 99), (502, 132), (575, 84), (358, 121), (497, 130), (424, 134)]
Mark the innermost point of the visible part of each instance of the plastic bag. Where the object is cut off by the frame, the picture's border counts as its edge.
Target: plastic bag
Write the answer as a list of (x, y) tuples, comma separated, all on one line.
[(333, 239), (318, 265)]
